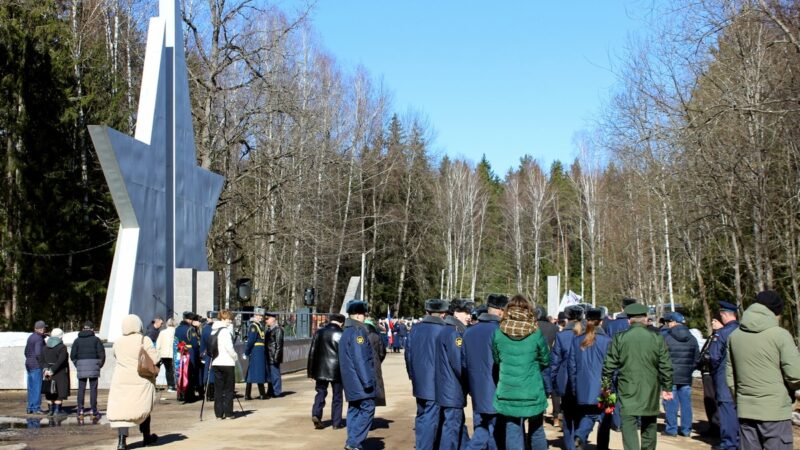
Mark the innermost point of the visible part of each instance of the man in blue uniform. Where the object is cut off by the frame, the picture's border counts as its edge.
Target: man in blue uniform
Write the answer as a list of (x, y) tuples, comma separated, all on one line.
[(402, 332), (560, 375), (718, 360), (451, 379), (186, 334), (482, 373), (358, 375), (420, 363), (256, 353), (206, 374)]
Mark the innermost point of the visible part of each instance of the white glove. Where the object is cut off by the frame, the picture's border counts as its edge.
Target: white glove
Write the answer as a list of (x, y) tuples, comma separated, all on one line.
[(244, 357)]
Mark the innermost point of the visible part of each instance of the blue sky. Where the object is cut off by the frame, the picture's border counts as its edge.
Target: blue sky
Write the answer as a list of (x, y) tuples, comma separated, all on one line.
[(503, 78)]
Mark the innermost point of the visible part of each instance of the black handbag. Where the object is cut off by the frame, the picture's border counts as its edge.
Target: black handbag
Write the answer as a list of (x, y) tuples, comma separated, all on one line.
[(49, 387)]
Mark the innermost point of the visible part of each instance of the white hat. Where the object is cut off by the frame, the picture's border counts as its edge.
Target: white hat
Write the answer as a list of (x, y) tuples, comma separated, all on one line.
[(57, 333)]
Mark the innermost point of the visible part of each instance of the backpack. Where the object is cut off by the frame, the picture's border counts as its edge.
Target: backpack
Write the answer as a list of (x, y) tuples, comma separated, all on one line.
[(213, 344)]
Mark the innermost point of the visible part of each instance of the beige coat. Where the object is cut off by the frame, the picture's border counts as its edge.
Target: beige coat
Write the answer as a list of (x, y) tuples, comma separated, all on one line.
[(165, 341), (131, 397)]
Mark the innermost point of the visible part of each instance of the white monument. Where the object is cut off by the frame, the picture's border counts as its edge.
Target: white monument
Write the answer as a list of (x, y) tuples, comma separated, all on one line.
[(164, 200)]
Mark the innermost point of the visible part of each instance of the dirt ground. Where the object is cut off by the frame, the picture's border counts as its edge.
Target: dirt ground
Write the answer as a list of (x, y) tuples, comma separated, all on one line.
[(282, 423)]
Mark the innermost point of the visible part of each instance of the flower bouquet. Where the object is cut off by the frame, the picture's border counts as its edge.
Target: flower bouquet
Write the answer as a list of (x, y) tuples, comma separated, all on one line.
[(607, 401)]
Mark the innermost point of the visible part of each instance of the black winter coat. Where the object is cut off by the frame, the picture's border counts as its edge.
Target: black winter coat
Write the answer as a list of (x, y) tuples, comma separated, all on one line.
[(323, 356), (56, 359), (88, 355), (378, 354), (275, 345), (549, 331), (684, 352)]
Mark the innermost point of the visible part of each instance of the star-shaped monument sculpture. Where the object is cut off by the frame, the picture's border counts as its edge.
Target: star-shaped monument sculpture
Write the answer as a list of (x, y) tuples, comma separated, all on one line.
[(164, 200)]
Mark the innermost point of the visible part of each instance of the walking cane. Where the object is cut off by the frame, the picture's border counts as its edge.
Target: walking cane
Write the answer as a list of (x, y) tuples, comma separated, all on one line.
[(208, 376)]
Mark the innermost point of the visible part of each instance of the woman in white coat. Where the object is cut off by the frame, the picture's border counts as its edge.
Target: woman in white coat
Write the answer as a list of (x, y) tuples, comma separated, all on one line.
[(223, 365), (131, 397)]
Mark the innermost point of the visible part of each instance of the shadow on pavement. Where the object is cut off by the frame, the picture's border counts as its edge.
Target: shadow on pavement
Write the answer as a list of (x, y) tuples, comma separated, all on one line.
[(380, 422), (162, 440), (374, 443)]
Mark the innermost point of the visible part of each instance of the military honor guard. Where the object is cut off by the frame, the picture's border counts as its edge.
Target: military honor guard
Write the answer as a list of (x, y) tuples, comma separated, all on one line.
[(421, 366), (451, 376), (358, 375), (274, 355), (642, 361), (480, 369), (256, 354), (718, 360), (323, 368), (187, 355)]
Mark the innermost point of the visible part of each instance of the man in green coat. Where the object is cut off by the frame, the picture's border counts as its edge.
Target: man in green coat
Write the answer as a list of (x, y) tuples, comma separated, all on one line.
[(642, 362), (763, 372)]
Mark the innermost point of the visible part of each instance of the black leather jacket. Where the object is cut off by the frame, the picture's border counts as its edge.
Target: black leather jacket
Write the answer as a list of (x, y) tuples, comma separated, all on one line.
[(323, 357), (275, 345)]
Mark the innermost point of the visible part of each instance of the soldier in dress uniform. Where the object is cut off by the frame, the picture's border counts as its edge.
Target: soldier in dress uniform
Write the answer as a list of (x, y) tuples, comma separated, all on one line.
[(274, 355), (642, 361), (256, 353), (612, 327), (186, 337), (421, 366), (718, 360), (482, 373), (358, 375), (451, 376)]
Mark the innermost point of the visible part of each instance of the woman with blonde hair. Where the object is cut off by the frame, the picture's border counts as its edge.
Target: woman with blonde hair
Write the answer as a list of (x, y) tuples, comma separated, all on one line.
[(521, 353), (585, 367), (131, 397)]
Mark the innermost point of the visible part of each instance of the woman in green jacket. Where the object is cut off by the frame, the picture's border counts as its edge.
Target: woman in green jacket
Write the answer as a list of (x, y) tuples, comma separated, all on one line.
[(521, 353)]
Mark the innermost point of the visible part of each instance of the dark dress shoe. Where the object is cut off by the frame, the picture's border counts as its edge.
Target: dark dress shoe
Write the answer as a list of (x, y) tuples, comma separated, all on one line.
[(317, 423), (122, 444), (150, 439)]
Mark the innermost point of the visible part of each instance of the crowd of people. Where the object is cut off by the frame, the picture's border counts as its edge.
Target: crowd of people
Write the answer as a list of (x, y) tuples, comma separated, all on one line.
[(198, 356), (506, 356), (614, 372)]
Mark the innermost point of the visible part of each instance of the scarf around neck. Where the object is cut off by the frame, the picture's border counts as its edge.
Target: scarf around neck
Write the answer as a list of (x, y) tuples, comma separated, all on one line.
[(518, 323)]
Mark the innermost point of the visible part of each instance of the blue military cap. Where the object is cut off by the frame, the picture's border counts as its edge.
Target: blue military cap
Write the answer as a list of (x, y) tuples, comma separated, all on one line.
[(498, 301), (357, 307), (212, 314), (725, 306), (271, 314), (478, 310), (437, 305)]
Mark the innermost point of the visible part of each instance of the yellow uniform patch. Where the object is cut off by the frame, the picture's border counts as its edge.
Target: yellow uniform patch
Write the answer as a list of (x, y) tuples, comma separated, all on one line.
[(360, 340), (459, 341)]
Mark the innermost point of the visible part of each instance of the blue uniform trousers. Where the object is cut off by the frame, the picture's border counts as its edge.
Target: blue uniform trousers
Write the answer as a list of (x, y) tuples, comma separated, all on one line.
[(586, 417), (454, 431), (426, 424), (336, 405), (569, 409), (359, 421), (34, 390), (483, 434), (728, 425), (274, 380), (516, 436)]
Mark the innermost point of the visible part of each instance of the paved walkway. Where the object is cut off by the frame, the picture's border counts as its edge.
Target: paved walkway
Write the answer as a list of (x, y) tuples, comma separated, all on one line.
[(282, 423)]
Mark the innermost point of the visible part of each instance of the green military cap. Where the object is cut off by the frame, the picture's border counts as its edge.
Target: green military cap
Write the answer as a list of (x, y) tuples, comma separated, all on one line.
[(636, 309)]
